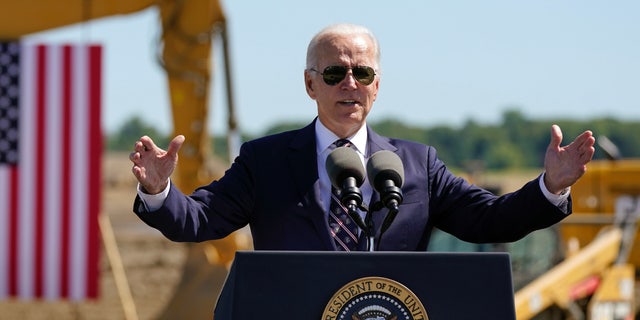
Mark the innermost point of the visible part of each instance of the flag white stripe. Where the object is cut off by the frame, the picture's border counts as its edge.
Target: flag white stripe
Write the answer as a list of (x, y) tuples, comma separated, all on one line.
[(80, 173), (53, 173), (26, 218)]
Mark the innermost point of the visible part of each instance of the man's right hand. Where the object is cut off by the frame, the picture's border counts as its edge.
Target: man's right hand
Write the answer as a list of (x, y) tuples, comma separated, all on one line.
[(153, 166)]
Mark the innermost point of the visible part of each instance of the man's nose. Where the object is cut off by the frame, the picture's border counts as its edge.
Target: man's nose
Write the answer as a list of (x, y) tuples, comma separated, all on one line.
[(349, 79)]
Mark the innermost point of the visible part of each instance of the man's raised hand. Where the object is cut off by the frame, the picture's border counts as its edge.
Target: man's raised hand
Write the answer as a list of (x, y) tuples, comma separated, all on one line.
[(565, 165), (153, 166)]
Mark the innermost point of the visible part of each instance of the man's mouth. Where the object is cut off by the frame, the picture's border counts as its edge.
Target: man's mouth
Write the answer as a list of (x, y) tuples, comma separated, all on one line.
[(349, 102)]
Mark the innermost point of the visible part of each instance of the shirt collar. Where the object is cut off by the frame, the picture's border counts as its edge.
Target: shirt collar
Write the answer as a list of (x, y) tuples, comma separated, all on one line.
[(325, 138)]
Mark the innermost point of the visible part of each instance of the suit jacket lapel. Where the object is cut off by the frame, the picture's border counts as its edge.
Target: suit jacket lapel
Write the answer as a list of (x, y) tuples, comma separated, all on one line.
[(376, 142), (304, 168)]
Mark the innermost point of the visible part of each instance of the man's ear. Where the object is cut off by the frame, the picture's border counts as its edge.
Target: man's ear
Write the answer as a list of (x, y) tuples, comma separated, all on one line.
[(377, 84), (308, 83)]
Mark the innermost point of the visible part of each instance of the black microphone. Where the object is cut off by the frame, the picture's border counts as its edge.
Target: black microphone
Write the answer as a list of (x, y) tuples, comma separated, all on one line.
[(346, 172), (386, 174)]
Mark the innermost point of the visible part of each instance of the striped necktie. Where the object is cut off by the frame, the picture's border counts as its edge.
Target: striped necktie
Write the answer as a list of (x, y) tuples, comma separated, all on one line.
[(342, 228)]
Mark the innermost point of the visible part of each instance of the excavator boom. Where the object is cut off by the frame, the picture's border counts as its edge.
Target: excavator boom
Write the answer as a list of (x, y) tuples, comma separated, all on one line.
[(20, 18)]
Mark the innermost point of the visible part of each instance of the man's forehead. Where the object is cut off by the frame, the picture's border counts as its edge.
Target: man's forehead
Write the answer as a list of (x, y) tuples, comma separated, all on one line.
[(355, 49), (347, 42)]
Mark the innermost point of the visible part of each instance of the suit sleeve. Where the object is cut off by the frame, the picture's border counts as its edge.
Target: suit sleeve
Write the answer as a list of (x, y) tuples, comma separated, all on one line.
[(210, 212), (476, 215)]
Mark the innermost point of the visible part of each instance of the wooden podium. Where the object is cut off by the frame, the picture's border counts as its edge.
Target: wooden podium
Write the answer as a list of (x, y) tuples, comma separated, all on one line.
[(357, 285)]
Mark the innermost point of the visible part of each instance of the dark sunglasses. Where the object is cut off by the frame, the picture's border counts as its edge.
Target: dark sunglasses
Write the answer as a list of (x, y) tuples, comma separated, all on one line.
[(333, 75)]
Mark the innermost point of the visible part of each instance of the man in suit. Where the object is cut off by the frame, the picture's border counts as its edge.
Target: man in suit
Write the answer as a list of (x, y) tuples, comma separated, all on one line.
[(279, 185)]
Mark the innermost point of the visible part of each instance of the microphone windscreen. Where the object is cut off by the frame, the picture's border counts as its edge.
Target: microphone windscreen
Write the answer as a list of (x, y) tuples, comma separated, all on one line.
[(385, 165), (342, 163)]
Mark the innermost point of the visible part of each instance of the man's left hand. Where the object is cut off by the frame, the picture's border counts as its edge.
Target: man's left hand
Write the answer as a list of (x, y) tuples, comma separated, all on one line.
[(565, 165)]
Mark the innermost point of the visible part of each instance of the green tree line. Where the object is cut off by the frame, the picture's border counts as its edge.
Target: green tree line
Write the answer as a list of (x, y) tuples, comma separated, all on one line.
[(517, 142)]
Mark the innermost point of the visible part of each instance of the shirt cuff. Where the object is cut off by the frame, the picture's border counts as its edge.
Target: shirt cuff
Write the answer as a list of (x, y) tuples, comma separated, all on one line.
[(555, 199), (153, 202)]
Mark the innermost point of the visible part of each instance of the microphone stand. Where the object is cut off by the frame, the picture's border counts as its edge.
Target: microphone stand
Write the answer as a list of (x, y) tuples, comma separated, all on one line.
[(391, 197), (351, 197), (366, 226), (370, 232), (391, 214)]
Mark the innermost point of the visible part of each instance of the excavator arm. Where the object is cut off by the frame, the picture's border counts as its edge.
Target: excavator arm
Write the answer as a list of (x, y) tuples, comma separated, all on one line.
[(20, 18), (558, 285)]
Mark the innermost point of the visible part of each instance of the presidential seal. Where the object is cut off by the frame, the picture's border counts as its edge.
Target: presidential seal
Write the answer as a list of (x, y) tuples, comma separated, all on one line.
[(374, 298)]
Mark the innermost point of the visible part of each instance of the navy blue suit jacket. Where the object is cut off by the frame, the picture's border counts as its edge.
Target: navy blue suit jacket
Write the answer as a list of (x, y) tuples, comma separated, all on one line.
[(273, 186)]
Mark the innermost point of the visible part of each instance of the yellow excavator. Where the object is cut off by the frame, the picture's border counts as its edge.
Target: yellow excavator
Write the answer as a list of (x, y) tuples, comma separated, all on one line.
[(189, 28)]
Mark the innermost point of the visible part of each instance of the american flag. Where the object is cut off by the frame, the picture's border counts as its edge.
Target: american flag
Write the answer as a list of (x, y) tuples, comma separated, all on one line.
[(50, 170)]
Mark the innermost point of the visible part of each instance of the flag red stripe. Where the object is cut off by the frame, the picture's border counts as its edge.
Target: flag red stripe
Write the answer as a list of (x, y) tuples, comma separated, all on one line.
[(67, 100), (40, 183), (13, 231), (95, 166)]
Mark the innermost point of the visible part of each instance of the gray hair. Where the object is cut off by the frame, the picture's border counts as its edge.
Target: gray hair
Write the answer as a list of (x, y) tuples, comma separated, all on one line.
[(341, 29)]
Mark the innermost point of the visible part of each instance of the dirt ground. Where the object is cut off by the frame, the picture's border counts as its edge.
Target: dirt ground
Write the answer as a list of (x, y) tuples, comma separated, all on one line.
[(153, 265)]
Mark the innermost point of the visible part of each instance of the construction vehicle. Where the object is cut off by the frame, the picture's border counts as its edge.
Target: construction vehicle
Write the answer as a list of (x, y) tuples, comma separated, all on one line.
[(188, 32), (588, 265), (600, 275)]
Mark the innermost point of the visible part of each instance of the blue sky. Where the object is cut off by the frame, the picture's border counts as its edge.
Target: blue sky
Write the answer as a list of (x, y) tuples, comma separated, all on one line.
[(443, 62)]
